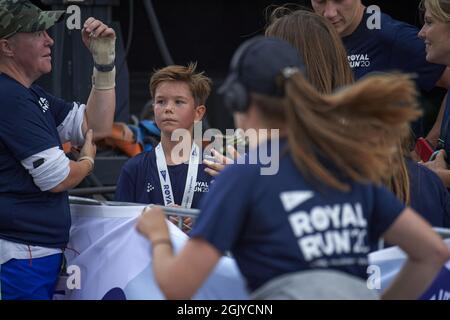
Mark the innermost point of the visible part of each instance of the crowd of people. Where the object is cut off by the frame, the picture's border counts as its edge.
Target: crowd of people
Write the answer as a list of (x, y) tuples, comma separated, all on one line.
[(333, 103)]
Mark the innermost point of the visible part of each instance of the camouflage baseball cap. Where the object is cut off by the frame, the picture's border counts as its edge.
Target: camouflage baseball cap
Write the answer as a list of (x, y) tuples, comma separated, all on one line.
[(23, 16)]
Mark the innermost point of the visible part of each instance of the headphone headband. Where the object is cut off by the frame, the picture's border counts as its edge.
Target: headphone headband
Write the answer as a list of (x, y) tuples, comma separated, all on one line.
[(255, 67)]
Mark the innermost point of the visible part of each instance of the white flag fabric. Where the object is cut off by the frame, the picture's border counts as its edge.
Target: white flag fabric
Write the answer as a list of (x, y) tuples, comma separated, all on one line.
[(114, 260), (389, 261)]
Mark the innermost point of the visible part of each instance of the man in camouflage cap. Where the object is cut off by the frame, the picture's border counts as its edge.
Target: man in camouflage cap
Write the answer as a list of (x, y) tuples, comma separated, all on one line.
[(34, 207)]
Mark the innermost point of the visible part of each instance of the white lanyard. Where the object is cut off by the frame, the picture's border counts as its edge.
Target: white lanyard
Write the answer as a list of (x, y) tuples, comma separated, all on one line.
[(191, 179)]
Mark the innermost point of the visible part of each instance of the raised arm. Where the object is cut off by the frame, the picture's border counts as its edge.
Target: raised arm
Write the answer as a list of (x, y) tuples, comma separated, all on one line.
[(100, 40)]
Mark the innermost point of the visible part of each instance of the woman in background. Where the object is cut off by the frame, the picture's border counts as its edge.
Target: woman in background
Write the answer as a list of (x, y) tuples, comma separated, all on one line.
[(436, 34), (318, 43)]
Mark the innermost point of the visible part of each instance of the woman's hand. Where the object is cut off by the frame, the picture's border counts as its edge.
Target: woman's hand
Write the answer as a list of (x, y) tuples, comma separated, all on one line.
[(220, 161), (437, 164), (152, 224)]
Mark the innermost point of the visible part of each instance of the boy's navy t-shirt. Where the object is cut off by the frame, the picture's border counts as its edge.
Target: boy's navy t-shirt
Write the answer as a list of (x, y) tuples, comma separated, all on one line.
[(139, 181)]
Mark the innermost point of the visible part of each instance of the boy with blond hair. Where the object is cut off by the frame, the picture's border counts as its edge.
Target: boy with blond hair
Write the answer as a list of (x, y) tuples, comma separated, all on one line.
[(166, 176)]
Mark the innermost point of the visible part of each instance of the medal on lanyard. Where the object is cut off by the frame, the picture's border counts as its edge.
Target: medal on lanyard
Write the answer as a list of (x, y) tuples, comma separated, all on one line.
[(191, 179)]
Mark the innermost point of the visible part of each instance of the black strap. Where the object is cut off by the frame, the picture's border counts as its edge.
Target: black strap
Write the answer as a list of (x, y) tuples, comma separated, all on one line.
[(104, 67)]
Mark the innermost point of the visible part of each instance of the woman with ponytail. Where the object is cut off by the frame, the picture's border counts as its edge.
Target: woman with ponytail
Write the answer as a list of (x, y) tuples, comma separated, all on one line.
[(323, 208)]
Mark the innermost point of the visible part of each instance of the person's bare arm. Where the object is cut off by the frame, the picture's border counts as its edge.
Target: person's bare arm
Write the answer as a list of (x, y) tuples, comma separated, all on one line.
[(426, 252), (179, 277), (79, 170), (100, 108)]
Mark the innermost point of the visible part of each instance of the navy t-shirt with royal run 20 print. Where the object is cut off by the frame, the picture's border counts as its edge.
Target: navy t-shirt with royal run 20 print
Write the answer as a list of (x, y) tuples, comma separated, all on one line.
[(139, 181), (28, 125), (274, 225), (393, 47)]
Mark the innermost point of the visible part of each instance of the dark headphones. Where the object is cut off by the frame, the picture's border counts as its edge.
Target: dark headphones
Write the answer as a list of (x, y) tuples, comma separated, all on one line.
[(234, 93)]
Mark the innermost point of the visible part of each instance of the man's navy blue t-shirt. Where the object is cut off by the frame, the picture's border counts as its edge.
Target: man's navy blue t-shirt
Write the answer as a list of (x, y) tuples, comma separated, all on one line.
[(139, 181), (393, 47), (275, 225), (28, 125)]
